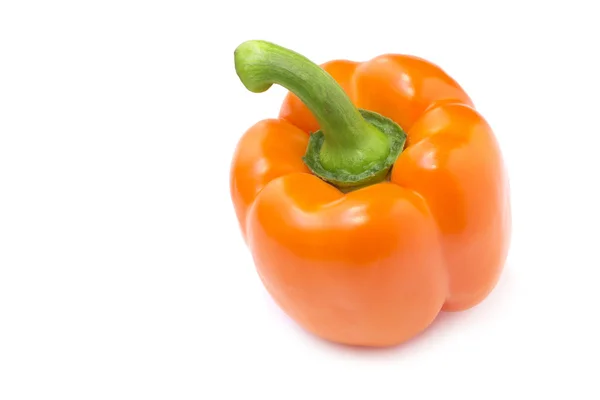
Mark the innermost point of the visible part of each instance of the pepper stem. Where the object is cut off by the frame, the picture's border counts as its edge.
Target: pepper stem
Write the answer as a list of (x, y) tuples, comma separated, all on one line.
[(351, 146)]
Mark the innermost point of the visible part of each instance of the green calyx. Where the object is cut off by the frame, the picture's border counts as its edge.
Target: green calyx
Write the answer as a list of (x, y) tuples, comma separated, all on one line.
[(374, 172), (354, 147)]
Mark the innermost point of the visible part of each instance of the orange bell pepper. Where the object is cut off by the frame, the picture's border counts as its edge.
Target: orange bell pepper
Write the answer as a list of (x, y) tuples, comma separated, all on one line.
[(364, 225)]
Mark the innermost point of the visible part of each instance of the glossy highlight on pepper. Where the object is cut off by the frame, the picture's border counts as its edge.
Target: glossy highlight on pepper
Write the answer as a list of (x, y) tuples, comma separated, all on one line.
[(377, 199)]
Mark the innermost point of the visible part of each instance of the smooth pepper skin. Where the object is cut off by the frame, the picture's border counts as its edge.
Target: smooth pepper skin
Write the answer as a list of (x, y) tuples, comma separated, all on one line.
[(375, 266)]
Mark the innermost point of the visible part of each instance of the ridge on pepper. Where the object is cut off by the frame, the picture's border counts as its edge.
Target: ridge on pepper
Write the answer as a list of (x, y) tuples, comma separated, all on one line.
[(377, 199)]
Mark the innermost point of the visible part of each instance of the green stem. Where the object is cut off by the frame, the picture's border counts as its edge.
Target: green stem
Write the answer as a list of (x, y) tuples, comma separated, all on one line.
[(351, 145)]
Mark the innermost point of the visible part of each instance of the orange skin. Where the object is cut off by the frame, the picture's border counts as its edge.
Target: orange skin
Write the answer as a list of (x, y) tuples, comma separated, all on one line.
[(374, 267)]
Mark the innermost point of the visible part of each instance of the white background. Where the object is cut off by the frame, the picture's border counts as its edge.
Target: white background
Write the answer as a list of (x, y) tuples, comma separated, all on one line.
[(122, 271)]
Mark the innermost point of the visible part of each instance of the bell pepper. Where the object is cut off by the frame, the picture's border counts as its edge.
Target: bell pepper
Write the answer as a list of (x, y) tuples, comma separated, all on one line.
[(377, 199)]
